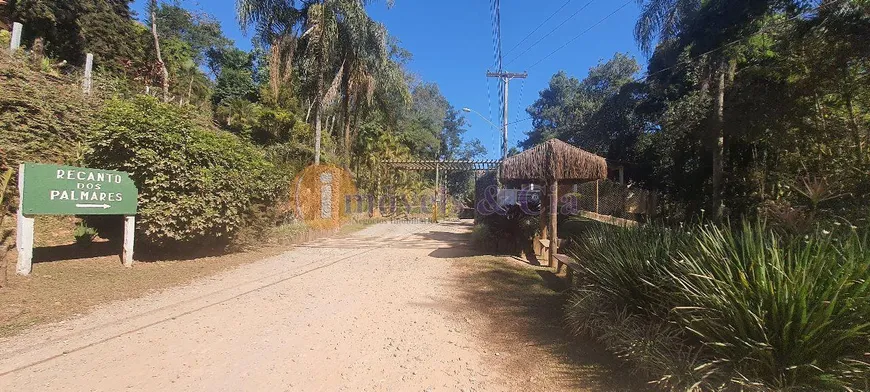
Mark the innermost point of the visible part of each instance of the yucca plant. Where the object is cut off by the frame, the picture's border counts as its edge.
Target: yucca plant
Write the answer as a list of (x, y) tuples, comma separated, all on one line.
[(630, 267), (625, 298), (775, 313)]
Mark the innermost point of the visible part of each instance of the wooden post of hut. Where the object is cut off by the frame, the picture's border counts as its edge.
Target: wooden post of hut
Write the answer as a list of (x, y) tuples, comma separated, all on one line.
[(554, 222), (542, 222)]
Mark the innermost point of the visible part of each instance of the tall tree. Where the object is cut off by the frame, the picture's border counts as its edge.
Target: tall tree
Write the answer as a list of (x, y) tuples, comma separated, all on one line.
[(574, 110), (163, 70), (276, 23), (72, 28), (702, 29), (332, 25), (199, 31)]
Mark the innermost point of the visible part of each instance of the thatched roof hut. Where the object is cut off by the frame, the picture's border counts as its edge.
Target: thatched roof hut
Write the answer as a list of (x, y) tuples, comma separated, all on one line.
[(555, 160)]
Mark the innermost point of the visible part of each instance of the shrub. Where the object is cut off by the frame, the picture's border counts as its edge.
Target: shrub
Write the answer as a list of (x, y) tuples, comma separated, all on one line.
[(625, 297), (630, 267), (481, 236), (196, 186), (84, 234), (779, 313), (710, 308), (42, 118)]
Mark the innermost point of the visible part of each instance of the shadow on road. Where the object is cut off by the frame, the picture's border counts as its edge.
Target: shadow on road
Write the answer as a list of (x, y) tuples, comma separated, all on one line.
[(517, 309), (520, 311)]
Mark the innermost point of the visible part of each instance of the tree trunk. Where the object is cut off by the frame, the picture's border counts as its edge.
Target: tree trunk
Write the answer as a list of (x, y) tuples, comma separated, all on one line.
[(288, 61), (354, 125), (163, 69), (317, 133), (345, 103), (718, 138), (275, 67), (857, 133), (189, 90), (318, 113)]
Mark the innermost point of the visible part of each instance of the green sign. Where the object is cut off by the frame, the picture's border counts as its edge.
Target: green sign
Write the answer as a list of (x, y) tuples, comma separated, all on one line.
[(68, 190)]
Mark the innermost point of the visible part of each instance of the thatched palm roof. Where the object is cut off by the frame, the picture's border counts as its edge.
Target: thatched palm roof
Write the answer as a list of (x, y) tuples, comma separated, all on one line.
[(555, 159)]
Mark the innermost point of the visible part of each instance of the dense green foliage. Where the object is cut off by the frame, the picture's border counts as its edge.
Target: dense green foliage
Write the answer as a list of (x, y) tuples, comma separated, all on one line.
[(196, 186), (708, 308), (781, 84), (72, 28), (341, 85), (43, 118)]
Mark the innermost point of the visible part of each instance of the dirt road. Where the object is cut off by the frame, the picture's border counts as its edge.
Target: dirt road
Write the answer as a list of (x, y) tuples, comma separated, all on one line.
[(361, 313)]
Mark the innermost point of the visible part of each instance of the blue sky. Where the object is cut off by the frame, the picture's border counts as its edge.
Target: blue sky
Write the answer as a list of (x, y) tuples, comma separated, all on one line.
[(451, 41)]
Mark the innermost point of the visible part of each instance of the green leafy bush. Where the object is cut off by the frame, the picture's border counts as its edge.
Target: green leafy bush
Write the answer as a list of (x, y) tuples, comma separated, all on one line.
[(709, 308), (84, 234), (196, 186), (782, 313), (631, 267)]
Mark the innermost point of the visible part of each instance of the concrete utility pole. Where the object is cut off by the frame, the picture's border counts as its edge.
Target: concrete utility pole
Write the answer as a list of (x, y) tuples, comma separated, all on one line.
[(506, 78)]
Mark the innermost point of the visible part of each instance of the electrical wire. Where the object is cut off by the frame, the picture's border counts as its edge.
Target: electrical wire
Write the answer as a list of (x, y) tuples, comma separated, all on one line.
[(583, 33), (551, 31), (539, 27), (729, 44)]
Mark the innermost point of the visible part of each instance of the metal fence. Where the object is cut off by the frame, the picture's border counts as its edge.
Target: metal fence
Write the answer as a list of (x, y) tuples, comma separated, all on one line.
[(607, 197)]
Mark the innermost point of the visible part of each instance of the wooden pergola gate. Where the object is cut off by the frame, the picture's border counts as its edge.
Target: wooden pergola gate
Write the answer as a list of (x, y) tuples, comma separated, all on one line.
[(438, 166)]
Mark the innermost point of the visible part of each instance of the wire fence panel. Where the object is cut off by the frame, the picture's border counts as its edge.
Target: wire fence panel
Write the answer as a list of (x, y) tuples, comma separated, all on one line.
[(607, 197)]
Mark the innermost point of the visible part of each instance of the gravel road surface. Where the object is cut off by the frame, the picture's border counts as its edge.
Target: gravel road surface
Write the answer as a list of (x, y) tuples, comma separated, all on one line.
[(356, 313)]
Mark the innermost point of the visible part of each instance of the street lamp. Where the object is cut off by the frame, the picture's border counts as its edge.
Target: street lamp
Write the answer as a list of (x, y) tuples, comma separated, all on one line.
[(469, 110), (504, 137)]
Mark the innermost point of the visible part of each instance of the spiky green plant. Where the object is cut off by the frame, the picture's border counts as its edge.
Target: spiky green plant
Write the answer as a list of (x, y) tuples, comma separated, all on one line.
[(629, 266), (775, 313), (625, 297)]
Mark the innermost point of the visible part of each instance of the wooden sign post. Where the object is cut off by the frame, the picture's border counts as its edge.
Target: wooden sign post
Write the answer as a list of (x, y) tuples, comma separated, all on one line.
[(67, 190)]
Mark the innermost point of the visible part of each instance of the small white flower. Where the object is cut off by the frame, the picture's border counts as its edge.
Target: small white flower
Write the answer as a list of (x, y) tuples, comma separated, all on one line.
[(837, 223), (854, 227), (825, 232)]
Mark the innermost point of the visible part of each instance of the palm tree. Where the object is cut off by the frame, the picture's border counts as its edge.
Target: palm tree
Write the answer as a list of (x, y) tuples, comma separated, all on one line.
[(344, 45), (662, 19), (370, 69), (338, 37), (276, 23)]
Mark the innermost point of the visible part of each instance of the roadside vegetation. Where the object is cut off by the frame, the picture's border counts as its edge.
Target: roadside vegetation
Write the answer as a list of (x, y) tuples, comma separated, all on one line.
[(212, 134), (746, 108), (750, 112), (742, 307)]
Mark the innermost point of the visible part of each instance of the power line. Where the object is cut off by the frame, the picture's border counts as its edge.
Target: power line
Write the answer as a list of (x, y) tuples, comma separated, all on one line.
[(583, 33), (538, 28), (495, 42), (498, 31), (551, 31), (729, 44)]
